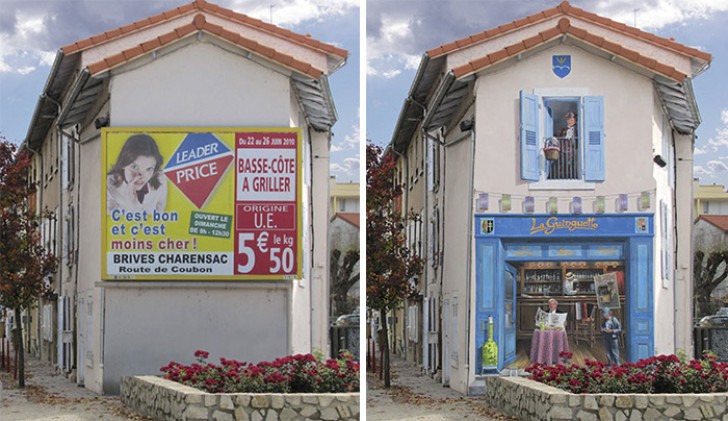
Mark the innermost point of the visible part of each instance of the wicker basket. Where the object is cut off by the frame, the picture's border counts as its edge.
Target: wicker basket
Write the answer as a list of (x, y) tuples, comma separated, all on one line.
[(552, 153)]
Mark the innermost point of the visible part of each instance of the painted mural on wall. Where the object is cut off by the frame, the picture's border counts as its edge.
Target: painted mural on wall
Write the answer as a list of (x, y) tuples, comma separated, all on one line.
[(201, 203)]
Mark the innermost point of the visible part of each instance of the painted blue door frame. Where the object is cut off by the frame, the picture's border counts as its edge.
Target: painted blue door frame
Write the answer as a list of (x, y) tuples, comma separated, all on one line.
[(511, 238)]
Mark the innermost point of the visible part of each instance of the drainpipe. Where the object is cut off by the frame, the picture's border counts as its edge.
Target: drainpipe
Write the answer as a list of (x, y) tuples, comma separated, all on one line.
[(441, 257), (78, 359)]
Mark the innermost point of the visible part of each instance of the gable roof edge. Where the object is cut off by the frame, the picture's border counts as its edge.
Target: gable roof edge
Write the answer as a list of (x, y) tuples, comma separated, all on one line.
[(202, 5), (566, 10), (564, 27), (200, 24)]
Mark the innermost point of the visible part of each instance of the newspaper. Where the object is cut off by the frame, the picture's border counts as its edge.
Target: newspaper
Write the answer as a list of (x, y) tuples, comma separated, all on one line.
[(550, 320)]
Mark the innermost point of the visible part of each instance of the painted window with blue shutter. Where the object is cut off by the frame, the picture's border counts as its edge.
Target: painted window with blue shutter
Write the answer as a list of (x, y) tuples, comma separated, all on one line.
[(582, 156), (594, 140), (529, 136)]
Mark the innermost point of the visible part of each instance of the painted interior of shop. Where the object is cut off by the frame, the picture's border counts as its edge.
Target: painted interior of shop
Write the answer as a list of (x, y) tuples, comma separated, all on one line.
[(520, 266)]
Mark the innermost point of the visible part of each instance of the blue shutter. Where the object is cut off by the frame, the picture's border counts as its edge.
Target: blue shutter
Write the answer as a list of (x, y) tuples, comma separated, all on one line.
[(488, 270), (548, 131), (593, 140), (548, 121), (529, 136), (640, 323)]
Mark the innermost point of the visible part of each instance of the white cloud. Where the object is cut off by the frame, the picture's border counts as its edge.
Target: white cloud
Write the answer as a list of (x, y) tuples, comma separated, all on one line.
[(391, 73), (25, 70), (718, 141), (347, 169), (352, 140), (720, 138), (386, 55), (655, 14), (292, 12), (699, 170), (47, 57), (19, 51), (717, 166), (700, 151), (28, 24), (33, 31)]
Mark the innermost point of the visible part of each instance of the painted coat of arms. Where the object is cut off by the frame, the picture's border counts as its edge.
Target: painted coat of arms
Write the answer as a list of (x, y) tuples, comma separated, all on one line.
[(561, 65)]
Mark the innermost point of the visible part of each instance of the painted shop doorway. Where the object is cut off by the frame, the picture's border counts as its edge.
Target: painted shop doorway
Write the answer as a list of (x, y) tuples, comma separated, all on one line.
[(580, 292), (585, 263)]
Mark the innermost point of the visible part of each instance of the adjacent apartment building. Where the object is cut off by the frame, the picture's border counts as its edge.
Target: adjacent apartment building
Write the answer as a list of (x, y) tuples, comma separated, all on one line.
[(205, 239), (549, 157)]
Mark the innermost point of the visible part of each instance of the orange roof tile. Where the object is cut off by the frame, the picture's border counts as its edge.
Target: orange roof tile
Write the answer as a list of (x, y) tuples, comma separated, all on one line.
[(568, 10), (352, 218), (201, 5), (564, 27), (720, 221), (199, 23)]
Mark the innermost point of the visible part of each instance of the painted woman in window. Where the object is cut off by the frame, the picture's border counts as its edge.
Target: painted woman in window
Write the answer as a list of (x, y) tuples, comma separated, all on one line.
[(566, 168), (135, 182)]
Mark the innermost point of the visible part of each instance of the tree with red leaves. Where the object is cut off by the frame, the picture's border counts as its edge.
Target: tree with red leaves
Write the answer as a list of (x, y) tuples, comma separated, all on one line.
[(25, 263), (390, 263)]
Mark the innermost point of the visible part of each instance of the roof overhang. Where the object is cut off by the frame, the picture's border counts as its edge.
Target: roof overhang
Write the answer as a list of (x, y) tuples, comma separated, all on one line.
[(48, 106)]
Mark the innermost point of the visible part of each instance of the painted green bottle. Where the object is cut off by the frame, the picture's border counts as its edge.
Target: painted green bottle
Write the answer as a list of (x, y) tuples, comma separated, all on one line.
[(490, 349)]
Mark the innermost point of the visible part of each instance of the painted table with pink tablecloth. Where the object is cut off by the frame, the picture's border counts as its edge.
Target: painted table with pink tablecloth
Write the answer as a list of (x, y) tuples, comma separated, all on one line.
[(546, 345)]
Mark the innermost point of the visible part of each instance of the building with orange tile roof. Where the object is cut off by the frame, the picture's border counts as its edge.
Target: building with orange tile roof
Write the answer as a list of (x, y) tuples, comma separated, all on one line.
[(208, 74), (559, 142)]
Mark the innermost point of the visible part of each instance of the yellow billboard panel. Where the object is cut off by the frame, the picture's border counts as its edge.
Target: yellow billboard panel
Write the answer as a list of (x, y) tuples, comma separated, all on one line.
[(218, 203)]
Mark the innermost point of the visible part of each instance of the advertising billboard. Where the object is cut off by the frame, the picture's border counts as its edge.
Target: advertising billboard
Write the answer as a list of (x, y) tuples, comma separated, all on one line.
[(219, 203)]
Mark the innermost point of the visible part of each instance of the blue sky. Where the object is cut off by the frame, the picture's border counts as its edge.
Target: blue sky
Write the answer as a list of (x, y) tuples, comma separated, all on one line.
[(398, 32), (31, 31)]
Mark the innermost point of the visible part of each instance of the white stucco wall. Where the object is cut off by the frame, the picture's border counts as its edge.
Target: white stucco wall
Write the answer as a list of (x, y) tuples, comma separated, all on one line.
[(147, 327), (317, 322), (664, 285), (628, 109), (707, 235), (89, 258), (455, 231), (632, 136), (343, 235), (714, 207), (684, 259), (189, 91), (251, 321)]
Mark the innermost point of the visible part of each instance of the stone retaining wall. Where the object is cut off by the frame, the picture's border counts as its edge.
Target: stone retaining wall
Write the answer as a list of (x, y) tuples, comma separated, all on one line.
[(164, 399), (530, 400)]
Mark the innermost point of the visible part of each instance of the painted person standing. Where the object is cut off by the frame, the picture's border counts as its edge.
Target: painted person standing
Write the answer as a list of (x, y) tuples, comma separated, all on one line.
[(611, 329)]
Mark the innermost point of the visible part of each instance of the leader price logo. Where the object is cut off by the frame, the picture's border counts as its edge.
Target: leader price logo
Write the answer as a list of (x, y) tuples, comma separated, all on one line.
[(197, 166)]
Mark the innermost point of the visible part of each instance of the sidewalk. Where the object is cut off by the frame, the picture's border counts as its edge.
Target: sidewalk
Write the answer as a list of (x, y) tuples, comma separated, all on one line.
[(50, 396), (417, 397)]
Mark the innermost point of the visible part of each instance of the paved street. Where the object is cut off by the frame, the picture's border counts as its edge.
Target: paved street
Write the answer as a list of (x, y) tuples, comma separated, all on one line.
[(416, 397), (49, 396)]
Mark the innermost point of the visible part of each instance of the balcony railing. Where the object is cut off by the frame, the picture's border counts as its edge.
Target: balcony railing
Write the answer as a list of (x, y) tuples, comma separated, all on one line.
[(567, 166)]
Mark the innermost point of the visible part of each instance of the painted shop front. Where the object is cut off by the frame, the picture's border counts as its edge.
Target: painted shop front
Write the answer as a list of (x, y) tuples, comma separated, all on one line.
[(585, 262)]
